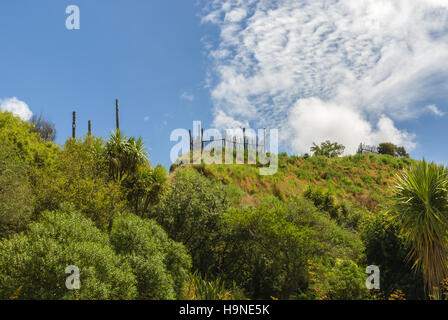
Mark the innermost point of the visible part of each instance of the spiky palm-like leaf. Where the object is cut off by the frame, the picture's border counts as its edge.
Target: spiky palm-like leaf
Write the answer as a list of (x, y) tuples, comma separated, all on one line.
[(421, 210), (124, 155)]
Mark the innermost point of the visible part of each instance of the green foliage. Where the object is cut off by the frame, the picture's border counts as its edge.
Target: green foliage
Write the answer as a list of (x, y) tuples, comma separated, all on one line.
[(328, 149), (191, 213), (204, 289), (145, 188), (265, 254), (17, 134), (293, 159), (15, 193), (293, 235), (124, 155), (80, 176), (323, 200), (33, 263), (392, 150), (385, 248), (160, 265), (401, 152), (421, 212), (342, 280), (387, 148), (266, 249)]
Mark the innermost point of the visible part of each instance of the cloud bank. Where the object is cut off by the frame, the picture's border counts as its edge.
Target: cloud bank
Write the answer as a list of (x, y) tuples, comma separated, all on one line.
[(16, 107), (348, 71)]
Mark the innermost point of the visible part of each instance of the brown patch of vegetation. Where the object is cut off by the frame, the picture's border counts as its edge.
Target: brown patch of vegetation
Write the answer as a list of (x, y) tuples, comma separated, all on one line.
[(367, 201)]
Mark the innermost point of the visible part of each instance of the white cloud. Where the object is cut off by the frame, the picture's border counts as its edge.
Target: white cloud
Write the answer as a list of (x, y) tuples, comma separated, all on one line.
[(146, 118), (236, 15), (324, 69), (433, 108), (312, 120), (224, 121), (16, 107), (187, 96)]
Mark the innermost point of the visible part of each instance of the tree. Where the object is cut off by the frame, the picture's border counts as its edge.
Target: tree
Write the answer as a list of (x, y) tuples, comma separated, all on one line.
[(146, 188), (44, 129), (387, 148), (192, 213), (421, 211), (401, 152), (33, 263), (328, 149), (265, 254), (267, 251), (124, 155)]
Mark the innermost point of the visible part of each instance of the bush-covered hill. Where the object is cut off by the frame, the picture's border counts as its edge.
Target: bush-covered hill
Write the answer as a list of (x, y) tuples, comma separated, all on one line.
[(203, 232), (363, 181), (340, 203)]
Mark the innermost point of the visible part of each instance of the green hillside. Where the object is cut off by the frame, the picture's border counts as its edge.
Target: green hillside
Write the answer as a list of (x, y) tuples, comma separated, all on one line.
[(364, 181), (342, 203), (206, 231)]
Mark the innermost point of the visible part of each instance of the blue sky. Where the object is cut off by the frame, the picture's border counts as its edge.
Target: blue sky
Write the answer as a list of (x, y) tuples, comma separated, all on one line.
[(145, 53), (226, 63)]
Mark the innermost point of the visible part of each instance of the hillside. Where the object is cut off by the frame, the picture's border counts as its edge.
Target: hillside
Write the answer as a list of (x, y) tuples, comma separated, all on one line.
[(342, 202), (363, 181), (201, 232)]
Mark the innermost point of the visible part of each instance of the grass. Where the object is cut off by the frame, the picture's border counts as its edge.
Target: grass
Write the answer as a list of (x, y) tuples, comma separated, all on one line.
[(362, 180)]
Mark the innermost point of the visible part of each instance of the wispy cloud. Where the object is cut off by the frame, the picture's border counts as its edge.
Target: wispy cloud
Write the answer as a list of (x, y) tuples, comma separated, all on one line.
[(187, 96), (16, 107), (340, 70), (146, 118), (433, 109)]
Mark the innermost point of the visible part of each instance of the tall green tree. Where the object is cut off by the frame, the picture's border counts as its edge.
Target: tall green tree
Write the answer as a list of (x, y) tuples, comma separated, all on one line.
[(328, 149), (146, 188), (402, 153), (192, 213), (421, 210), (387, 148), (124, 155)]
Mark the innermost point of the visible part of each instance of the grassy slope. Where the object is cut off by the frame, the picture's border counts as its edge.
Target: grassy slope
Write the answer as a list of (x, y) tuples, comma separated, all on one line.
[(361, 180)]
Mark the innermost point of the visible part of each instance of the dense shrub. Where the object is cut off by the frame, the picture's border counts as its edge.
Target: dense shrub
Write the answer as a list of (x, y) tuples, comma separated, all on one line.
[(80, 176), (265, 254), (160, 265), (17, 134), (33, 263), (15, 192), (192, 213), (342, 280), (145, 188), (323, 200), (386, 249), (200, 288), (267, 249)]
